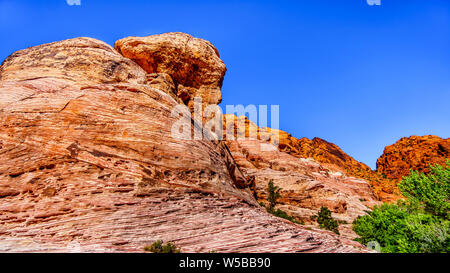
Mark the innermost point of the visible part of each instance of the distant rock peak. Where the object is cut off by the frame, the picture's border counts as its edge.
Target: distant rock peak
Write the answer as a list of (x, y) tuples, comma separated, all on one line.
[(413, 153)]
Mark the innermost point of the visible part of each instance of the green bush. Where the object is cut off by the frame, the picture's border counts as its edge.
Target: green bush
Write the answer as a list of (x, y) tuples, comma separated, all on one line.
[(325, 220), (396, 229), (419, 224), (273, 193), (284, 215), (431, 192), (159, 247)]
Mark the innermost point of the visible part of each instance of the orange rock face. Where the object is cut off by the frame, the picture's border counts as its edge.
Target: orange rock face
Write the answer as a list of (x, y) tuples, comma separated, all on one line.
[(89, 162), (306, 184), (194, 64), (413, 153), (329, 155)]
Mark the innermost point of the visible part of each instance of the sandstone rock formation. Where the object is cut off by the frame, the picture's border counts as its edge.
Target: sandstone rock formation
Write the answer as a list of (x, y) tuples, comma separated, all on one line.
[(327, 154), (332, 156), (194, 64), (194, 221), (413, 153), (306, 184), (89, 162)]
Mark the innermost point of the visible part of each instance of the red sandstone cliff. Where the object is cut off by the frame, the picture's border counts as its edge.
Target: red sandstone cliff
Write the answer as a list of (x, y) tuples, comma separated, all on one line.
[(89, 163), (329, 156), (413, 153), (306, 183)]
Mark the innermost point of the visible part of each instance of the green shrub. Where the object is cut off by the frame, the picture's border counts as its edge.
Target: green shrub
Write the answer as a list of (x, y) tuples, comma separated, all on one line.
[(284, 215), (396, 229), (159, 247), (273, 193), (325, 220), (419, 224)]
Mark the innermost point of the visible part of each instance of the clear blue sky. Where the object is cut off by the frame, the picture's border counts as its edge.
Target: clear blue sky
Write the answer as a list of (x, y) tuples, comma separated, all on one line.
[(359, 76)]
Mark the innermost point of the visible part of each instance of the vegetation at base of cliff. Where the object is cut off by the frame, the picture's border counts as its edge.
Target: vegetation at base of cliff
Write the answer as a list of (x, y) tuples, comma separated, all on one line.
[(284, 215), (273, 193), (325, 220), (419, 224), (160, 247)]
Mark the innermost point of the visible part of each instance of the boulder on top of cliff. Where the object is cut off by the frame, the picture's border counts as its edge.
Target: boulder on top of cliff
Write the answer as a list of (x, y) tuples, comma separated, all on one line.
[(413, 153), (194, 64)]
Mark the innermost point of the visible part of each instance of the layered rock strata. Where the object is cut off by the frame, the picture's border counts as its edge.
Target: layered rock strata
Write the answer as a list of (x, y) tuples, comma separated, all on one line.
[(90, 163), (306, 184)]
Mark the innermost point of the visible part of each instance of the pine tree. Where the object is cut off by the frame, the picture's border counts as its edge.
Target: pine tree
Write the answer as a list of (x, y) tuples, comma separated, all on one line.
[(273, 194)]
